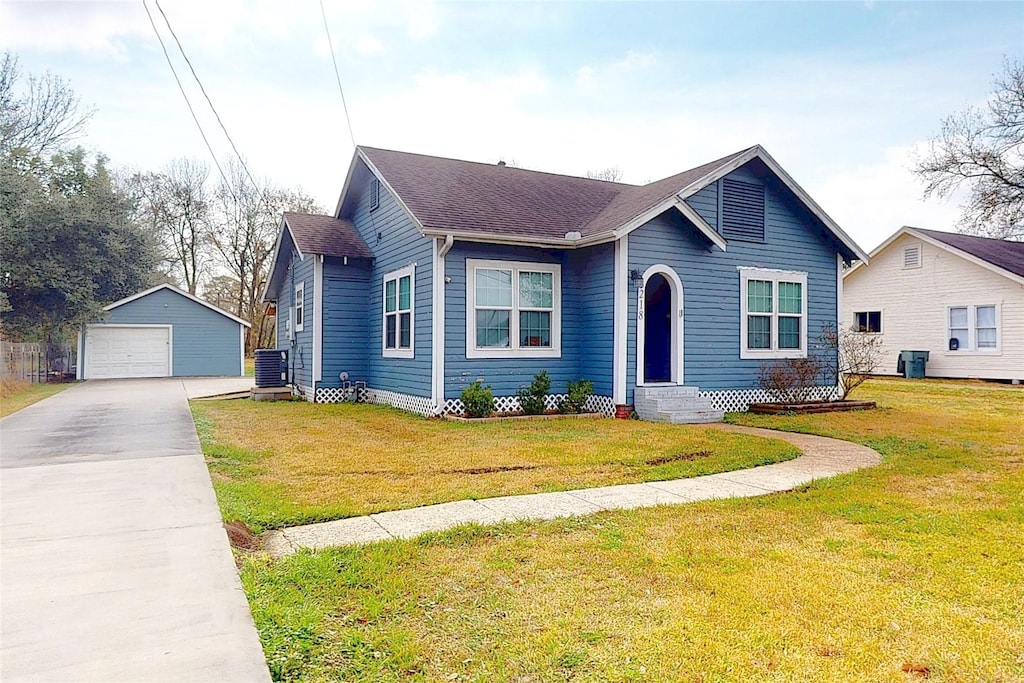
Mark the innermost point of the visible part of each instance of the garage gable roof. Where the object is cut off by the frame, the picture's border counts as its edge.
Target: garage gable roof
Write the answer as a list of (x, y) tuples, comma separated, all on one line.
[(134, 297)]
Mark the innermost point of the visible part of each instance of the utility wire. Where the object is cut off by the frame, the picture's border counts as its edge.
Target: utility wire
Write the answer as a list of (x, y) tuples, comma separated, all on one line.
[(337, 76), (184, 94), (216, 115)]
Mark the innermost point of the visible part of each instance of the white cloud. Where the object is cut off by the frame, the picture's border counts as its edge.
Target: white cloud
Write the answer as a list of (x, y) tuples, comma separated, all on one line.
[(369, 46)]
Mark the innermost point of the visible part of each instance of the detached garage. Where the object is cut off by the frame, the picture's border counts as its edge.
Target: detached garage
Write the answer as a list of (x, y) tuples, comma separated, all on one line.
[(162, 332)]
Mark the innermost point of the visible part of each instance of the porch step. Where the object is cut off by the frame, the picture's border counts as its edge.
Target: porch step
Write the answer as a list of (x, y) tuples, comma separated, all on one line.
[(675, 404)]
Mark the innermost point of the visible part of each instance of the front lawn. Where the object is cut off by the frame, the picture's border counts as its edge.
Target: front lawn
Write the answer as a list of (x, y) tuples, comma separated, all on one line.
[(910, 569), (18, 394), (281, 464)]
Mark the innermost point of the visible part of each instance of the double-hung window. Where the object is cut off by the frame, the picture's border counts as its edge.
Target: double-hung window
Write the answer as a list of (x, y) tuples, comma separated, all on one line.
[(513, 309), (399, 301), (300, 306), (973, 328), (773, 313), (868, 321)]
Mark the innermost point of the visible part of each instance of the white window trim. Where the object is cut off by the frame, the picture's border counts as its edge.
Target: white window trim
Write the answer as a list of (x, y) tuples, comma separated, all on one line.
[(774, 276), (396, 275), (514, 351), (881, 321), (300, 306), (972, 331)]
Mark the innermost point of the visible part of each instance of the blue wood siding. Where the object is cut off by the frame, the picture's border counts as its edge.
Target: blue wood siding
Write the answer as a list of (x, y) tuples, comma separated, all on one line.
[(711, 294), (587, 312), (300, 348), (204, 342), (346, 338), (396, 243), (594, 272)]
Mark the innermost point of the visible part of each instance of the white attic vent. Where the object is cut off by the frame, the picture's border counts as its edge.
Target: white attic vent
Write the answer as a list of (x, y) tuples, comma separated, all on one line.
[(573, 236), (912, 257)]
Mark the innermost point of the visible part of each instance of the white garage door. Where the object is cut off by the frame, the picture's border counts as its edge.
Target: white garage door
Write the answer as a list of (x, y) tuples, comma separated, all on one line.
[(117, 352)]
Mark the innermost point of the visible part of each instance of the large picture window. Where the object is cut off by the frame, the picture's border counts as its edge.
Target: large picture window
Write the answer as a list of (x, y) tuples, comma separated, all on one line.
[(773, 313), (399, 301), (513, 309), (973, 328)]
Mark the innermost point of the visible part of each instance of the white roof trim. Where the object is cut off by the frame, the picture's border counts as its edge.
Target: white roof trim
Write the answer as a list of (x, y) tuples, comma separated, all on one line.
[(701, 224), (907, 230), (174, 289), (274, 255), (759, 152)]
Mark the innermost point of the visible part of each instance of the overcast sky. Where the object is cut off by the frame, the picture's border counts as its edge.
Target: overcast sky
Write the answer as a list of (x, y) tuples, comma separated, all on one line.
[(841, 94)]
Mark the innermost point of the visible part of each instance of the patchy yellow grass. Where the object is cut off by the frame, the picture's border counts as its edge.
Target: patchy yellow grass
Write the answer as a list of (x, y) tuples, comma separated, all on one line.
[(277, 464), (916, 564), (18, 394)]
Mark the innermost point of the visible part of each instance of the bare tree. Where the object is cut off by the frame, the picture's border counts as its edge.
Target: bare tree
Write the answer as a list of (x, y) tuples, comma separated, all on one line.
[(983, 148), (177, 204), (612, 174), (248, 218), (856, 355), (37, 113)]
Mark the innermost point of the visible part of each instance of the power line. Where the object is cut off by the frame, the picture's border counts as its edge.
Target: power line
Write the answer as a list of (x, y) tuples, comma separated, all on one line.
[(184, 94), (216, 115), (337, 76)]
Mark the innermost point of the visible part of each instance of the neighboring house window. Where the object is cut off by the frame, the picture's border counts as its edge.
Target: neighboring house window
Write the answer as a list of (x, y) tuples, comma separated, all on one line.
[(513, 309), (973, 328), (773, 313), (300, 306), (399, 299), (868, 321), (742, 209), (912, 257), (374, 194)]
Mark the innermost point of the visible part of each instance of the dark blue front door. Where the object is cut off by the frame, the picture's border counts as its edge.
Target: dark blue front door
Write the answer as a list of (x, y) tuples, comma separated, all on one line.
[(657, 330)]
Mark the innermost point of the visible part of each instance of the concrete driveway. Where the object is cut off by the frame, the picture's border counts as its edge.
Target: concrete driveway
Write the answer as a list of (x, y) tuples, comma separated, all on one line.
[(113, 562)]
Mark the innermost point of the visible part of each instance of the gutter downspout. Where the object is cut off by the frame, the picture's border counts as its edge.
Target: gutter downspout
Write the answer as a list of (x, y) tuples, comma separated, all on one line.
[(438, 319)]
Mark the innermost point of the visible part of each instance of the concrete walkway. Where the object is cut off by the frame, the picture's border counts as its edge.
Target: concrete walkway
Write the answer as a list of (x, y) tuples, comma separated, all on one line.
[(114, 565), (821, 457)]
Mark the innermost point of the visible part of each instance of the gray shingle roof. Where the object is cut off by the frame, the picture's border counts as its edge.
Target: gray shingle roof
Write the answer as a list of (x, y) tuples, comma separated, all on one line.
[(464, 196), (315, 234), (1002, 253)]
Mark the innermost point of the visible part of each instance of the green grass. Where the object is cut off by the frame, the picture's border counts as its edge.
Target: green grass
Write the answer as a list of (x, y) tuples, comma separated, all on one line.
[(916, 563), (288, 463), (15, 395)]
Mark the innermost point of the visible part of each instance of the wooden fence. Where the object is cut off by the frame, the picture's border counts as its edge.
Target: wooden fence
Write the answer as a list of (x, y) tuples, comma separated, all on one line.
[(37, 362)]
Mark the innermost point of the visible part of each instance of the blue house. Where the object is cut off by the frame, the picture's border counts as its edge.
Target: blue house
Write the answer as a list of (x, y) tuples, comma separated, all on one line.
[(433, 273)]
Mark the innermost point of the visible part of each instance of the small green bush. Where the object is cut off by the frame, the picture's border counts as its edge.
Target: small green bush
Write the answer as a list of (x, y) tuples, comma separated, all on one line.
[(478, 400), (577, 394), (531, 398)]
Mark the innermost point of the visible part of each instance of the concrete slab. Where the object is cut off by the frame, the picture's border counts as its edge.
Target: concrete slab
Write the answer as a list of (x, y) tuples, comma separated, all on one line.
[(538, 506), (410, 523), (114, 564), (206, 387), (317, 536), (707, 488), (768, 478), (628, 496)]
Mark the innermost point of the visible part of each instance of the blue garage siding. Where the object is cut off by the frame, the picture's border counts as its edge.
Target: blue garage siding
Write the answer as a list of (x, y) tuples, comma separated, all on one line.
[(397, 242), (204, 342), (346, 332), (506, 376), (793, 241)]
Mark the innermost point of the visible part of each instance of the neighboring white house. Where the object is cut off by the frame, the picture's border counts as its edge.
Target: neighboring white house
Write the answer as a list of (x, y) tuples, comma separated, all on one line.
[(959, 297)]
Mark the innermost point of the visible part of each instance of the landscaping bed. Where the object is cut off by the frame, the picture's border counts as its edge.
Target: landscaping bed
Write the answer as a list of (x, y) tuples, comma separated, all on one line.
[(809, 407)]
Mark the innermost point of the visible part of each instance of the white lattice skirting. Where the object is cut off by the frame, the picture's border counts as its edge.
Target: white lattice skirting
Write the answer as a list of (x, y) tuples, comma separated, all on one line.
[(737, 400), (510, 404)]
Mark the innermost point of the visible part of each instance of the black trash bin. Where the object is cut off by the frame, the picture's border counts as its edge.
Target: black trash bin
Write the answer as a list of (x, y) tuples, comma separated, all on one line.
[(271, 367)]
